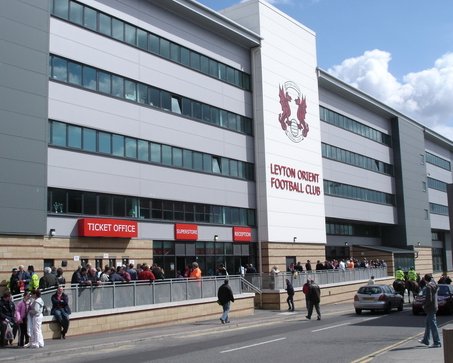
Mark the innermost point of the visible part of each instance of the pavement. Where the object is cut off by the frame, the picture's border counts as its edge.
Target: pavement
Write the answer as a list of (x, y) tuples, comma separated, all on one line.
[(406, 350)]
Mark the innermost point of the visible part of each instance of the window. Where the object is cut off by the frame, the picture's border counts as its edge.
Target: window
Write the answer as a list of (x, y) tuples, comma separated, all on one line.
[(89, 140), (118, 29), (105, 143), (74, 73), (131, 148), (118, 145), (104, 82), (58, 134), (59, 69), (74, 137), (89, 77), (105, 24), (143, 150)]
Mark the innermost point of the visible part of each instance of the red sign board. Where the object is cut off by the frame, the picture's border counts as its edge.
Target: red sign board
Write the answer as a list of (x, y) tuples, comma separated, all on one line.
[(242, 234), (186, 232), (103, 227)]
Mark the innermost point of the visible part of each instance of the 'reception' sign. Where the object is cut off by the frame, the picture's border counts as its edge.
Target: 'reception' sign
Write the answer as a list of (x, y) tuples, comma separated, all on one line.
[(242, 234), (104, 227), (295, 180)]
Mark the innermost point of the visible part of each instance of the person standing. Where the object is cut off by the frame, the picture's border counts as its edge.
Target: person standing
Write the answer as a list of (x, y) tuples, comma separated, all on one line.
[(35, 321), (430, 307), (7, 318), (290, 298), (21, 319), (371, 281), (48, 280), (225, 297), (314, 298), (61, 310), (195, 273)]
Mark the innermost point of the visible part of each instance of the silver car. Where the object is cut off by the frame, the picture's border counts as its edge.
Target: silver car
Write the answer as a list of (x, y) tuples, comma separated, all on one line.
[(377, 297)]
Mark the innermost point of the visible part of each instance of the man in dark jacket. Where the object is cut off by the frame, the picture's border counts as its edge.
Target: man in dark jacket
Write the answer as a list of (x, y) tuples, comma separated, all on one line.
[(61, 310), (225, 296), (314, 298), (290, 298), (49, 280), (430, 307)]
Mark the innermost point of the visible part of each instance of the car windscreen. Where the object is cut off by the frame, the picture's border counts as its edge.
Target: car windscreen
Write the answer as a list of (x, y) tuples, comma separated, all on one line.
[(369, 290), (444, 291)]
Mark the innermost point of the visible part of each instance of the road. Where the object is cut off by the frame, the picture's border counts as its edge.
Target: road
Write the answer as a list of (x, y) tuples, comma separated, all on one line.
[(341, 336)]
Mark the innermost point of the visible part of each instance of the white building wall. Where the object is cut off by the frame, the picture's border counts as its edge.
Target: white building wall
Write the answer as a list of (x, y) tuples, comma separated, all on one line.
[(287, 62)]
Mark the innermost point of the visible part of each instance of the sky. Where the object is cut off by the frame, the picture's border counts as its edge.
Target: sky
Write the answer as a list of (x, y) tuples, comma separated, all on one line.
[(397, 51)]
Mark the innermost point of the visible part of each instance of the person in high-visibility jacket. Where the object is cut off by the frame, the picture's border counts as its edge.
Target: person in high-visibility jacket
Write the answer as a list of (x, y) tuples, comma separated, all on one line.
[(412, 275), (34, 279), (399, 274)]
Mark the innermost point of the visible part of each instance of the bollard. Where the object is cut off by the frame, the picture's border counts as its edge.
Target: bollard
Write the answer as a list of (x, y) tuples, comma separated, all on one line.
[(447, 333)]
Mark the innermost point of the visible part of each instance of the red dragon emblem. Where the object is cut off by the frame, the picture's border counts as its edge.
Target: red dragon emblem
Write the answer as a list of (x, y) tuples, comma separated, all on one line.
[(296, 130)]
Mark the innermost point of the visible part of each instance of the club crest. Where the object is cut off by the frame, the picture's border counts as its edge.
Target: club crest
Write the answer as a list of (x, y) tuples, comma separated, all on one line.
[(291, 99)]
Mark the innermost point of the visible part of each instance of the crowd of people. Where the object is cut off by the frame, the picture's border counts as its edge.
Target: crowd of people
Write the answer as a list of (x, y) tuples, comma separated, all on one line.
[(340, 264)]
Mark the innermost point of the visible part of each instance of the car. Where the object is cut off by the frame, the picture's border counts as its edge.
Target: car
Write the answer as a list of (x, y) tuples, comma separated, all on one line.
[(444, 300), (377, 297)]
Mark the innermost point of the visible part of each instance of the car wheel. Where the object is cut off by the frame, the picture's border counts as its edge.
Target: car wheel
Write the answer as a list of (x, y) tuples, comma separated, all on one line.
[(358, 311), (400, 306), (388, 308)]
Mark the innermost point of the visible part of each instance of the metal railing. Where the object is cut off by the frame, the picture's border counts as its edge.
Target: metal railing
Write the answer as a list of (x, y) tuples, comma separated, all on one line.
[(322, 277), (138, 293)]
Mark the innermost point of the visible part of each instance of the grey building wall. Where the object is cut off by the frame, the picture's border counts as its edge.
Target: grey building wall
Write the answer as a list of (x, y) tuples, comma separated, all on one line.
[(410, 173), (24, 36)]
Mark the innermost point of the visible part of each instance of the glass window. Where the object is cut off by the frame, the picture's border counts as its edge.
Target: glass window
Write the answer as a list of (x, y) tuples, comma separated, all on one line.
[(175, 54), (176, 104), (153, 43), (74, 202), (118, 29), (222, 72), (142, 39), (105, 143), (206, 111), (119, 206), (189, 215), (156, 153), (142, 90), (197, 161), (234, 168), (117, 86), (166, 100), (177, 157), (204, 64), (61, 8), (59, 69), (144, 208), (131, 90), (187, 107), (167, 207), (143, 150), (166, 155), (230, 74), (105, 24), (75, 73), (207, 163), (225, 166), (154, 97), (164, 48), (185, 56), (131, 148), (104, 82), (179, 211), (90, 203), (187, 159), (156, 205), (195, 61), (76, 13), (131, 34), (196, 110), (90, 19), (213, 68), (74, 136), (89, 77), (216, 165), (118, 145), (89, 140), (58, 133), (105, 205)]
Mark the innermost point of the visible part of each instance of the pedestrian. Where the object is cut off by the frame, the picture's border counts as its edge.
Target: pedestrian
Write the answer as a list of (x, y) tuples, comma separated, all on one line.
[(225, 298), (314, 298), (195, 273), (371, 281), (35, 320), (34, 279), (21, 319), (13, 283), (306, 290), (60, 278), (430, 307), (48, 280), (222, 271), (290, 298), (7, 319), (61, 310)]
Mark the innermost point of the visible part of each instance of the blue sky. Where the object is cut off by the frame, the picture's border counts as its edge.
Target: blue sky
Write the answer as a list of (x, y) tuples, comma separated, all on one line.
[(398, 51)]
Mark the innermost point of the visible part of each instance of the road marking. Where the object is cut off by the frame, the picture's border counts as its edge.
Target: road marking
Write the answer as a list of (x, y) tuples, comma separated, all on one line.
[(252, 345), (330, 327)]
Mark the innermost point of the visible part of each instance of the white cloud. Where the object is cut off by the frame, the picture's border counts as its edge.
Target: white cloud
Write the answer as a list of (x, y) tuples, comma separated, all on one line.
[(425, 96)]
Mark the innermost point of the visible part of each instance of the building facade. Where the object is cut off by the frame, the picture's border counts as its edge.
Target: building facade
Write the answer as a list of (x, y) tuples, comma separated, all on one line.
[(163, 131)]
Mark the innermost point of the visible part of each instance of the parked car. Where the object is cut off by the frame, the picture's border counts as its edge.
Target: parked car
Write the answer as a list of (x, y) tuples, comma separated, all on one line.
[(377, 297), (444, 300)]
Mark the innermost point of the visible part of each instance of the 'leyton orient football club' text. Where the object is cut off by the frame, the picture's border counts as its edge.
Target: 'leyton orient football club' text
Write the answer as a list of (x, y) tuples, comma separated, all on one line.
[(294, 180)]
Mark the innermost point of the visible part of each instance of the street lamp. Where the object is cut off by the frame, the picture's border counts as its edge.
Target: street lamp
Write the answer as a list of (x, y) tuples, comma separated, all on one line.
[(216, 238), (294, 239)]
